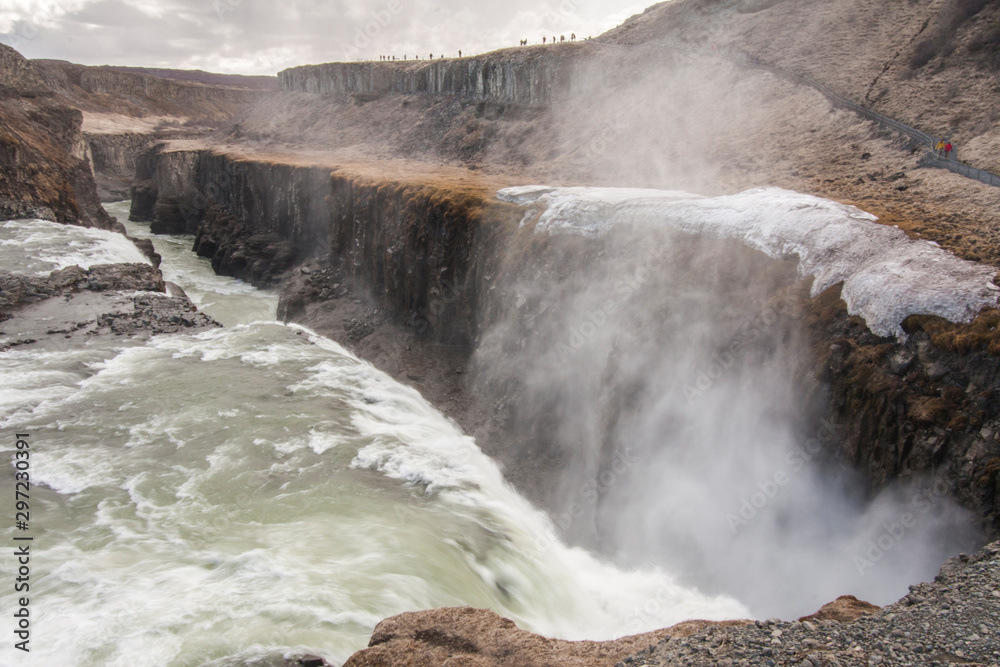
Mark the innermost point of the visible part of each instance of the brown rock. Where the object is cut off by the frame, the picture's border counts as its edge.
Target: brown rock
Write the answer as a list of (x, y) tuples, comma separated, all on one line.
[(467, 637), (844, 609)]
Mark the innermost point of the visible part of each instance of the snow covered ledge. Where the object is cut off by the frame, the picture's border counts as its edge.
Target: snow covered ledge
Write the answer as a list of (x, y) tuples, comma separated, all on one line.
[(887, 276)]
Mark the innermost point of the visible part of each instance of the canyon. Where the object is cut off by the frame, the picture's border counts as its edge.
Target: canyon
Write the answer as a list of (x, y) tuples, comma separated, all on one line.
[(367, 194)]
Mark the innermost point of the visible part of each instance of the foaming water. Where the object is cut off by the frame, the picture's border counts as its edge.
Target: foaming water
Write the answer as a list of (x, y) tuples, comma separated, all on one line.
[(259, 489), (227, 300), (38, 247), (242, 494)]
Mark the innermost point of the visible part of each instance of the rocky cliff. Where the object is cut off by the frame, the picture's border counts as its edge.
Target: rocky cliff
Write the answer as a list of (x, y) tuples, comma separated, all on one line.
[(114, 159), (530, 76), (126, 111), (43, 155), (425, 249)]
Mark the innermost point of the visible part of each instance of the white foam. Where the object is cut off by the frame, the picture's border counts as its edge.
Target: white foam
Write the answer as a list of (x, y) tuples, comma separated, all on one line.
[(40, 246), (414, 442), (886, 275)]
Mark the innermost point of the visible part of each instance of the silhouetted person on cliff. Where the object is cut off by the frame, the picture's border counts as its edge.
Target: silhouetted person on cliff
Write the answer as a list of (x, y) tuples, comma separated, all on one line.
[(562, 38), (543, 39), (460, 53), (572, 37)]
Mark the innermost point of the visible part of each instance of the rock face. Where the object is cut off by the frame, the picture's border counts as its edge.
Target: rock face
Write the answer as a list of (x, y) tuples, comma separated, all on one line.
[(43, 156), (427, 253), (165, 191), (126, 111), (263, 218), (467, 637), (531, 76), (99, 301), (928, 406), (115, 159)]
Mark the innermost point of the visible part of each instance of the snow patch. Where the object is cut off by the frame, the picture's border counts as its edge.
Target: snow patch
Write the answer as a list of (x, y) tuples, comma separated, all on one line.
[(887, 276)]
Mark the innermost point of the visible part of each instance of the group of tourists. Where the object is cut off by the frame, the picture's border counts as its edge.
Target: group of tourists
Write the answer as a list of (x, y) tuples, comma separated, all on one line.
[(524, 42), (545, 40), (429, 57)]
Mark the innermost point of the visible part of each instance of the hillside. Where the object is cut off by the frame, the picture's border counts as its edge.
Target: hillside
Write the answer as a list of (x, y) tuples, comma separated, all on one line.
[(933, 64), (200, 76)]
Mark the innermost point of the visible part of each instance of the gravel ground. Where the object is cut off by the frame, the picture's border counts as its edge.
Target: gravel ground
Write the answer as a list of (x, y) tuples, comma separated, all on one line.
[(953, 621)]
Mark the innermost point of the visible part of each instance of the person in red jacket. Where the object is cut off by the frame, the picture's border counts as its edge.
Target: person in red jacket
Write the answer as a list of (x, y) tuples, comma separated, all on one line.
[(947, 150)]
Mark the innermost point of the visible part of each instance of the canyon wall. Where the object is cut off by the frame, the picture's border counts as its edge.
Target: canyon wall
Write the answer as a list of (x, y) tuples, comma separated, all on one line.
[(260, 218), (125, 112), (530, 76), (425, 253), (43, 154), (114, 159)]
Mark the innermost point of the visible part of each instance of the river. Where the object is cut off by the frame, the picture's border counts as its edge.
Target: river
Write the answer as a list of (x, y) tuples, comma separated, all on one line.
[(257, 491)]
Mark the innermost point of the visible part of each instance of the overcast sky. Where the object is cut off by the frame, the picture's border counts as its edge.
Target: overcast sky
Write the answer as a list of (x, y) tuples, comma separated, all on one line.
[(265, 36)]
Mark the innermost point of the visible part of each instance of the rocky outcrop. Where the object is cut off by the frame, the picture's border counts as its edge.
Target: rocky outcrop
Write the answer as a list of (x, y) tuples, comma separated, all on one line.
[(530, 76), (952, 620), (98, 301), (467, 637), (43, 156)]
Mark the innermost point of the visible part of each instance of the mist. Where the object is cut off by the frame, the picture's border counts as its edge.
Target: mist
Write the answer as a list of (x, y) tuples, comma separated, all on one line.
[(667, 378)]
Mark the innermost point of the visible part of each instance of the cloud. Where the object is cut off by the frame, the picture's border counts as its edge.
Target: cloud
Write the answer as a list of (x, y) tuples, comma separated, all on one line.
[(265, 36)]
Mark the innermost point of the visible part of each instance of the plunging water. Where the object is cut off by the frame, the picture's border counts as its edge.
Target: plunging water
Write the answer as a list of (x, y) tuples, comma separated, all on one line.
[(257, 491)]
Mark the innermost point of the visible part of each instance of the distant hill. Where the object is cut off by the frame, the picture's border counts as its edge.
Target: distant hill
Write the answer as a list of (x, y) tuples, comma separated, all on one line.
[(208, 78)]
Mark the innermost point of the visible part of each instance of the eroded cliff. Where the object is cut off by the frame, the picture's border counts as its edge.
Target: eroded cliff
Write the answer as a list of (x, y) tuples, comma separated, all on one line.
[(126, 112), (43, 154)]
